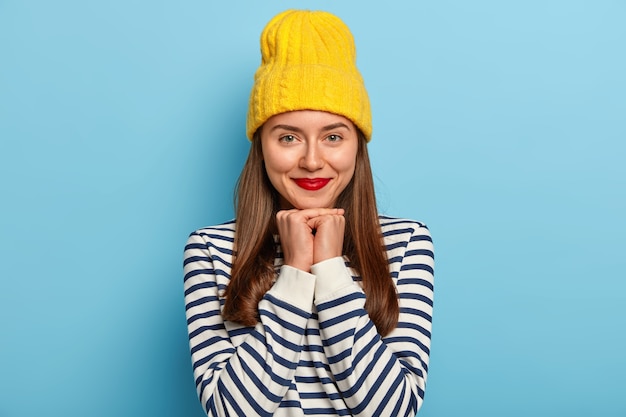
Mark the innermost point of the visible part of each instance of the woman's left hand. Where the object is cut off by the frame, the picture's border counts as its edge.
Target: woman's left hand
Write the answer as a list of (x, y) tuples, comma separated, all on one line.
[(329, 231)]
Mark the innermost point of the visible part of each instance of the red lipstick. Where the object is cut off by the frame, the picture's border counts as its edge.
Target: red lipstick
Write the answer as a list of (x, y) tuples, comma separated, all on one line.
[(311, 184)]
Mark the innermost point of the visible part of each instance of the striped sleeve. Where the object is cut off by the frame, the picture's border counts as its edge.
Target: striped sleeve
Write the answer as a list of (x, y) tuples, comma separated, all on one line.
[(383, 376), (251, 378)]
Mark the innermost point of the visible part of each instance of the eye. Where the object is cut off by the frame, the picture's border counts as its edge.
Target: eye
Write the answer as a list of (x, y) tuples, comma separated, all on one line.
[(333, 138), (288, 138)]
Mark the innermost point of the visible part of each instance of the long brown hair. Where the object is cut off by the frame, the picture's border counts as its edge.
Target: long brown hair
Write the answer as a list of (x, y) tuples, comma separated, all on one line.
[(256, 204)]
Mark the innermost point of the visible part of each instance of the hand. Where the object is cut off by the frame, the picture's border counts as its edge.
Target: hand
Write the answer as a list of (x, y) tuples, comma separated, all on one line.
[(329, 230), (310, 236)]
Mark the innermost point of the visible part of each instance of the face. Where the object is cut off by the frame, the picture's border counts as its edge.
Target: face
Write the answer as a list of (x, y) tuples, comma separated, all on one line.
[(309, 157)]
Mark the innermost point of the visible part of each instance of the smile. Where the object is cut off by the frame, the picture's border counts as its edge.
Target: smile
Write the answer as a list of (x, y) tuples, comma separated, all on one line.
[(311, 184)]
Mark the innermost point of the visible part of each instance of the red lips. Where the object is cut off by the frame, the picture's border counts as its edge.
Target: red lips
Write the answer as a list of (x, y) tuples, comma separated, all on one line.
[(312, 184)]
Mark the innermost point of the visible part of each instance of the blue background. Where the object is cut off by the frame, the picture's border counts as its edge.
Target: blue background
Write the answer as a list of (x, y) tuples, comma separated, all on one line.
[(499, 124)]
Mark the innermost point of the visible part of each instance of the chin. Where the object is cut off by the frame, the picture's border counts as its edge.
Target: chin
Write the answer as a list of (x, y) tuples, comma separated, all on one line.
[(300, 205)]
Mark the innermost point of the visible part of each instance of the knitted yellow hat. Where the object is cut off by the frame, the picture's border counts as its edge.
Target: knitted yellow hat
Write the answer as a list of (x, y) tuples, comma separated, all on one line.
[(308, 63)]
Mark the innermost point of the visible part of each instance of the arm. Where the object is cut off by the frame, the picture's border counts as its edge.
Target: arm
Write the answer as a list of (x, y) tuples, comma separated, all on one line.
[(250, 373), (379, 376)]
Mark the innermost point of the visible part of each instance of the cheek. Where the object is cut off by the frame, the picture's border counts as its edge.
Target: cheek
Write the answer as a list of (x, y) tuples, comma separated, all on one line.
[(275, 166), (345, 163), (277, 169), (271, 163)]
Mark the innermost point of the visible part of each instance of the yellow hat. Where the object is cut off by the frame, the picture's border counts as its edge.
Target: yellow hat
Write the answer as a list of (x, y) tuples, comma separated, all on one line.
[(308, 63)]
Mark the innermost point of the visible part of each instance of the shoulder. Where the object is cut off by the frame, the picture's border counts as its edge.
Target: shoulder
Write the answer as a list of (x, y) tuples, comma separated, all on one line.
[(226, 228), (408, 244), (397, 227), (220, 235)]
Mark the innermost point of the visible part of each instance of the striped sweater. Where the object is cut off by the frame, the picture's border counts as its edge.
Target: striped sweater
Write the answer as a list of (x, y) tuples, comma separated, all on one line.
[(315, 352)]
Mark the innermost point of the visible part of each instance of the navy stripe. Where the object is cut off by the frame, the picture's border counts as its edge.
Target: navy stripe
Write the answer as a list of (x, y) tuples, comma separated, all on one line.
[(416, 281), (395, 232), (417, 297), (413, 341), (201, 329), (328, 411), (341, 318), (216, 272), (420, 252), (207, 235), (199, 316), (314, 364), (417, 267), (420, 238), (196, 259), (200, 301), (338, 338), (416, 312), (343, 300), (197, 272), (289, 307), (282, 323), (204, 285), (391, 246), (205, 246)]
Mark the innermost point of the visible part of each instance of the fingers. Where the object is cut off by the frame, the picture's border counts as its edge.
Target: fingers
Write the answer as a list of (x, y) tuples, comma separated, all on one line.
[(310, 213), (315, 222), (296, 239), (311, 235), (328, 242)]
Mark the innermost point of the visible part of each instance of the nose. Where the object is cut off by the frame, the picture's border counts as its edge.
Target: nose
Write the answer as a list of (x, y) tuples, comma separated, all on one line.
[(312, 160)]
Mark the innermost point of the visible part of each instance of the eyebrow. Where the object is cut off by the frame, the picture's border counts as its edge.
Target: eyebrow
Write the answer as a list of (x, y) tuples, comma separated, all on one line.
[(297, 129)]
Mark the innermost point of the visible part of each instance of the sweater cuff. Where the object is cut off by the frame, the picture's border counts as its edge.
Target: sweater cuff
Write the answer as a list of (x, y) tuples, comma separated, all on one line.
[(295, 287), (332, 275)]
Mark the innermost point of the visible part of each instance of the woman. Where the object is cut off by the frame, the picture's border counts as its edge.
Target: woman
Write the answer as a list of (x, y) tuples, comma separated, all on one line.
[(310, 303)]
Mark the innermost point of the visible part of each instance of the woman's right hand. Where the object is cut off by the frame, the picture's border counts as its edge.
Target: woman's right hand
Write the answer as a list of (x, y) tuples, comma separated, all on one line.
[(296, 229)]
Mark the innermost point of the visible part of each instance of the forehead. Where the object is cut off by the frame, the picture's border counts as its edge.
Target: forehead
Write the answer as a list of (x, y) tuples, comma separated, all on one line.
[(308, 119)]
